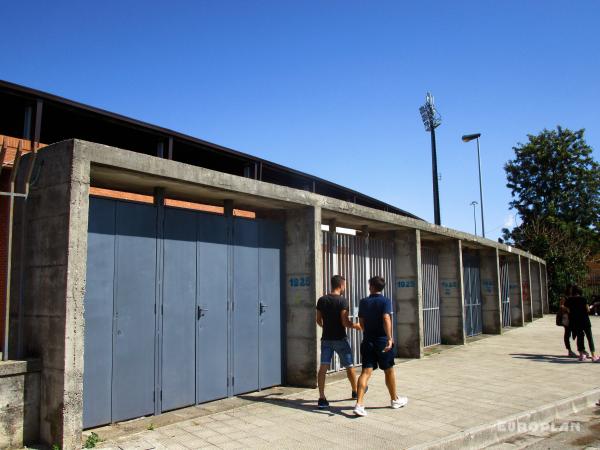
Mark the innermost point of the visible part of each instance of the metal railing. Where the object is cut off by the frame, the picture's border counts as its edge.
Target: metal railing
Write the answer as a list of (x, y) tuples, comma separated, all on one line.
[(431, 297)]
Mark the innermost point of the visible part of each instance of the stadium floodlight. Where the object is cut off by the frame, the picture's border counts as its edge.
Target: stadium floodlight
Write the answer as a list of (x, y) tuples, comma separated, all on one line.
[(432, 120)]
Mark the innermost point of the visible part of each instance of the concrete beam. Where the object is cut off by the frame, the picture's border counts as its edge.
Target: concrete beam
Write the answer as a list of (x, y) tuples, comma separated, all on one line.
[(303, 260), (536, 290), (491, 307), (451, 288), (409, 294), (526, 289), (517, 318)]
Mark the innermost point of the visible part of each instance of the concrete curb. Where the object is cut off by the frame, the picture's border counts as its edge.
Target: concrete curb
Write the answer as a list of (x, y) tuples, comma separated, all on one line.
[(491, 433)]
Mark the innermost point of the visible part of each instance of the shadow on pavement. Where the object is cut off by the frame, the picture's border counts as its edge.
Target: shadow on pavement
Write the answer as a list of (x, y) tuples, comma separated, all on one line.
[(556, 359), (303, 405)]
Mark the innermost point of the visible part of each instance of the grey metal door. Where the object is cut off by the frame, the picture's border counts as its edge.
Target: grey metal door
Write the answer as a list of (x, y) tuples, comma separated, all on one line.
[(134, 316), (98, 315), (245, 306), (431, 297), (212, 308), (178, 367), (505, 292), (472, 287), (269, 287)]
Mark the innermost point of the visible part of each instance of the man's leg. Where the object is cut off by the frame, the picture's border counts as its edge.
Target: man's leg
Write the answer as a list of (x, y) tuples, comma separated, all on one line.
[(351, 378), (390, 382), (363, 381), (323, 368)]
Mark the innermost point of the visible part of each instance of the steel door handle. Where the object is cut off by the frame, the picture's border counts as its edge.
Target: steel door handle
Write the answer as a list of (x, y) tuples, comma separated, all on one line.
[(201, 312), (263, 307)]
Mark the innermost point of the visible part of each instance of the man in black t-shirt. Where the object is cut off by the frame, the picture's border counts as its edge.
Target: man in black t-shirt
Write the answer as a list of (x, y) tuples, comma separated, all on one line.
[(332, 315)]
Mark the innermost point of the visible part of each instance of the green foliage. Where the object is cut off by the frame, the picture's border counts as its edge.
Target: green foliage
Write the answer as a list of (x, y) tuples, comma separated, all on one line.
[(555, 185), (150, 427), (91, 441), (55, 447)]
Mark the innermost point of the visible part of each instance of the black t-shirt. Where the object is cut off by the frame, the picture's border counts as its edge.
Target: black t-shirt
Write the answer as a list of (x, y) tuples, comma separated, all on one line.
[(331, 306), (578, 313)]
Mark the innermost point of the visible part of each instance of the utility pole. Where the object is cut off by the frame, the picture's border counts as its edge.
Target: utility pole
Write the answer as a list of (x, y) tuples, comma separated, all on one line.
[(432, 120)]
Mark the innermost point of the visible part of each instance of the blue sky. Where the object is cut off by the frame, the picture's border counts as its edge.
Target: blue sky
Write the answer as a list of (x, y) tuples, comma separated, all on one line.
[(330, 87)]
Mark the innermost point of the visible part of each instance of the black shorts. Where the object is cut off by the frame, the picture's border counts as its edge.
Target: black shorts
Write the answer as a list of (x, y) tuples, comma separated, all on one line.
[(373, 356)]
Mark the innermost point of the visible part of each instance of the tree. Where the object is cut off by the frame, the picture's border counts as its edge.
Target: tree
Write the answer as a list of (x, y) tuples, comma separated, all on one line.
[(555, 185)]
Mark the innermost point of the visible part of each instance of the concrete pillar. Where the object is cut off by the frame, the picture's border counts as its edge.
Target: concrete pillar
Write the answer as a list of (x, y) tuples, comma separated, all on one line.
[(536, 289), (409, 294), (303, 257), (545, 301), (491, 308), (526, 289), (55, 254), (452, 325), (517, 318)]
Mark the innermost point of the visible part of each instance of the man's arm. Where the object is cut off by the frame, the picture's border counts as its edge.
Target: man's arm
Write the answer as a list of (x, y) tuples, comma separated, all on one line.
[(319, 318), (347, 322), (387, 326)]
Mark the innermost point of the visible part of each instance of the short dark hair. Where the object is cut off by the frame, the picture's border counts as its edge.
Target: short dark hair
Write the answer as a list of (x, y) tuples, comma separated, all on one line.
[(377, 282), (337, 281), (576, 291)]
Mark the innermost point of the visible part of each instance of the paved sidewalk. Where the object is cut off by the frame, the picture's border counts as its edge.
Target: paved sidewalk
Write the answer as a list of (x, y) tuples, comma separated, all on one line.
[(448, 392)]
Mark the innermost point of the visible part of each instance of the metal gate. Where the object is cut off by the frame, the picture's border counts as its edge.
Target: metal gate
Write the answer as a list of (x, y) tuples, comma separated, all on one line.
[(181, 307), (472, 286), (357, 259), (431, 296), (505, 292)]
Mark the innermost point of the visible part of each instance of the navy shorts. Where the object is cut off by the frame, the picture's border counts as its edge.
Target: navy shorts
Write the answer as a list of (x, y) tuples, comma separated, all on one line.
[(373, 356), (341, 347)]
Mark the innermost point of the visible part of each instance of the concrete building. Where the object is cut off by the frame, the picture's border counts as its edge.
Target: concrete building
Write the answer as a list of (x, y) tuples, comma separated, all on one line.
[(146, 277)]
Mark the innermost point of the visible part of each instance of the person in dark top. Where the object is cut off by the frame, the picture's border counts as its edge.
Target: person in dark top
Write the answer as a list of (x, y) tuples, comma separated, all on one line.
[(562, 319), (579, 321), (376, 349), (332, 315)]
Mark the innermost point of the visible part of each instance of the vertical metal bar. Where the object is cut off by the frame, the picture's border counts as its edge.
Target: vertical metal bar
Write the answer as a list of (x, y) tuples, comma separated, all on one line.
[(228, 211), (13, 176), (170, 148), (33, 145)]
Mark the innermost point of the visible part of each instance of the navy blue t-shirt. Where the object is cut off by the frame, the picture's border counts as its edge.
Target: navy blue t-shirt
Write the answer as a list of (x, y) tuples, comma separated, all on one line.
[(371, 310)]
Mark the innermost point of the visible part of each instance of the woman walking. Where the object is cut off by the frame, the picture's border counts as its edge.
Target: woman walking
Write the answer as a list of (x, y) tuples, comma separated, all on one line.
[(562, 319), (579, 321)]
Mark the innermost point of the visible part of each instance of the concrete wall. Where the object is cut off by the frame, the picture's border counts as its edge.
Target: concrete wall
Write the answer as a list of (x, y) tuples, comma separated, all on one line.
[(536, 289), (409, 294), (451, 288), (19, 403), (517, 318), (526, 289), (303, 260), (490, 291), (545, 300), (55, 254)]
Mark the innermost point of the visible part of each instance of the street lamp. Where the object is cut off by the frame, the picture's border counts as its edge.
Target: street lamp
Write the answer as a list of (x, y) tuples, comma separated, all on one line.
[(432, 120), (468, 138), (474, 204)]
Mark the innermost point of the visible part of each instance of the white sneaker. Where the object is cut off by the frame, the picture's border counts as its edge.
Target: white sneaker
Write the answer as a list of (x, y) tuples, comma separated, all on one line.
[(359, 410), (399, 402)]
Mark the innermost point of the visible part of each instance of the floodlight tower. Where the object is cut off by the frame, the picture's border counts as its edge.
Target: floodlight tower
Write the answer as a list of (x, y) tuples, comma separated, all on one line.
[(432, 120)]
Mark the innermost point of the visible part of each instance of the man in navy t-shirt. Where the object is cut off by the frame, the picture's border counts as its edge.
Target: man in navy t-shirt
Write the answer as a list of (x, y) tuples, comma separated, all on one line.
[(377, 347)]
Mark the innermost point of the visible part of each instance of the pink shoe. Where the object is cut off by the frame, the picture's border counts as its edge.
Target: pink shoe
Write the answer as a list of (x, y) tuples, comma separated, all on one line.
[(582, 358), (595, 358)]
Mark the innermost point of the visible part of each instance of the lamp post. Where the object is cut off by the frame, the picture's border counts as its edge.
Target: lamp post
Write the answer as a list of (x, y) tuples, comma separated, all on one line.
[(468, 138), (474, 204), (432, 120)]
